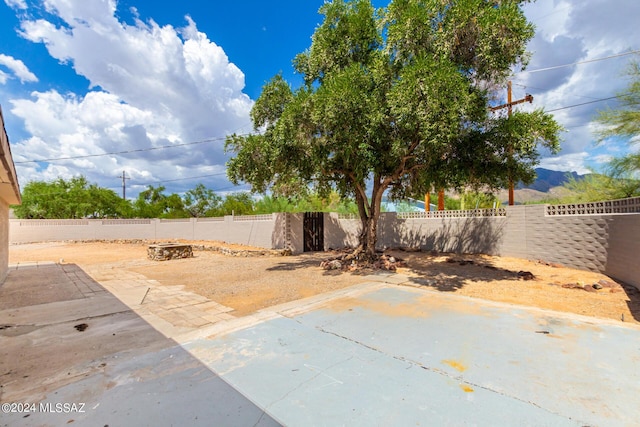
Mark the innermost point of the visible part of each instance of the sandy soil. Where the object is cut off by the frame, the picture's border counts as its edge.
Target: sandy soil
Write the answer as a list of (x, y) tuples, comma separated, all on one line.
[(250, 283)]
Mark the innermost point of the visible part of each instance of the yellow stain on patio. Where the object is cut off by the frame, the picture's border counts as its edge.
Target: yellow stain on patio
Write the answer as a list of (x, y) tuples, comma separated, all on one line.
[(466, 388), (455, 365), (413, 310)]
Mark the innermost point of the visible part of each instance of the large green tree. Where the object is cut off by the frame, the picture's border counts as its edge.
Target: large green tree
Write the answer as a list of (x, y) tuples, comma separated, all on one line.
[(72, 198), (201, 201), (154, 203), (395, 100)]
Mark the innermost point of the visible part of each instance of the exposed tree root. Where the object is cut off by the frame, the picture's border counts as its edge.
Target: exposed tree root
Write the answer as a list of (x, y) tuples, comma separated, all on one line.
[(358, 259)]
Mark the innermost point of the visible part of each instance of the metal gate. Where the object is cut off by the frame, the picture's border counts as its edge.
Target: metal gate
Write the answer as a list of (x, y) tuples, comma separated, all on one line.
[(313, 231)]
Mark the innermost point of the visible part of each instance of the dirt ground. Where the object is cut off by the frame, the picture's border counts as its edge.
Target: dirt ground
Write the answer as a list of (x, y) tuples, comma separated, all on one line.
[(250, 283)]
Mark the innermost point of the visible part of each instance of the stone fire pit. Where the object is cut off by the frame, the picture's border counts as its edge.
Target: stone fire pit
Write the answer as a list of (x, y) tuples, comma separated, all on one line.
[(167, 251)]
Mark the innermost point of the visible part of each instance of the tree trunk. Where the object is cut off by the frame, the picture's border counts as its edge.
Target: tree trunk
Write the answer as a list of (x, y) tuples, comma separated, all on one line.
[(369, 216), (371, 238)]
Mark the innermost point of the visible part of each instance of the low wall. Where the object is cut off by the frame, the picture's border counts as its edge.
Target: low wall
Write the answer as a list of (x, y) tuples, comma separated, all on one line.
[(256, 230), (4, 240), (602, 237)]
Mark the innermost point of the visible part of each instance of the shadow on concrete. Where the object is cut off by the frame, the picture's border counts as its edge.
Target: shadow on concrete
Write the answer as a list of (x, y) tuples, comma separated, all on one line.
[(633, 294), (40, 284), (65, 339)]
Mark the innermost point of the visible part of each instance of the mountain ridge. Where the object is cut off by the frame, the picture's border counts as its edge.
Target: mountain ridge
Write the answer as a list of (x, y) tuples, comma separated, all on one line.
[(546, 179)]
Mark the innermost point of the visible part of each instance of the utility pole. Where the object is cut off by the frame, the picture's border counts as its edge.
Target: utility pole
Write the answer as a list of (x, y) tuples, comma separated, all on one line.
[(510, 103), (124, 185)]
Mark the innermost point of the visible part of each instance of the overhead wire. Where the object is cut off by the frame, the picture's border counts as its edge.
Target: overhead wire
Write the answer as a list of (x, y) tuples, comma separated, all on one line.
[(586, 103), (555, 67), (138, 150)]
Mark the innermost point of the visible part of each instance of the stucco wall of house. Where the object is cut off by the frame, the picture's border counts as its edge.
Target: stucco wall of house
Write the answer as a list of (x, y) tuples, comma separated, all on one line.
[(4, 240)]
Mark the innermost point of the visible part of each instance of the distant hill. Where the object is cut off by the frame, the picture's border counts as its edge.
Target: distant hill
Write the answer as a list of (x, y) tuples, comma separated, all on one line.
[(548, 179), (548, 185)]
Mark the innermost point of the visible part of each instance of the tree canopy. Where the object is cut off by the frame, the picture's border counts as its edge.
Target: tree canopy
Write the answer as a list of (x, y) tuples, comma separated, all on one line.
[(74, 198), (395, 99), (624, 122)]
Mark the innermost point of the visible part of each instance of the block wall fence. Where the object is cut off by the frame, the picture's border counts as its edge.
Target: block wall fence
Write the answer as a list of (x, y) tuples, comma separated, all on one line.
[(602, 237), (256, 230)]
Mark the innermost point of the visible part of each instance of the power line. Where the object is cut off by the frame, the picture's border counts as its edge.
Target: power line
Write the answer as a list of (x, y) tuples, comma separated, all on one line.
[(184, 179), (545, 90), (578, 63), (139, 150), (585, 103)]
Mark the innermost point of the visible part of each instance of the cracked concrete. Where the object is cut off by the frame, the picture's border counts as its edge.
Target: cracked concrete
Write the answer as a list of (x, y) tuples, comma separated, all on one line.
[(379, 354)]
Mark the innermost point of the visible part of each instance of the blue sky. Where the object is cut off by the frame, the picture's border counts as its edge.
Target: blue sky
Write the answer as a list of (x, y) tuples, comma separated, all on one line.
[(79, 78)]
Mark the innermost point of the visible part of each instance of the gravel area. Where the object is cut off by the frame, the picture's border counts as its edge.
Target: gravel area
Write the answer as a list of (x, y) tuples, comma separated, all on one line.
[(250, 283)]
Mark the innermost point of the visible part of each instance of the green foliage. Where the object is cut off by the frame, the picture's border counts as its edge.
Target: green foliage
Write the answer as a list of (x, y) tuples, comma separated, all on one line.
[(74, 198), (627, 167), (476, 200), (599, 187), (153, 203), (237, 204), (201, 201), (309, 203), (450, 203), (625, 120), (395, 99)]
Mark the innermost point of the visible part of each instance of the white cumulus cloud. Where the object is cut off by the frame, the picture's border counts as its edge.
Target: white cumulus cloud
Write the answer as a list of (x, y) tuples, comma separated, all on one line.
[(17, 68), (579, 33), (150, 86)]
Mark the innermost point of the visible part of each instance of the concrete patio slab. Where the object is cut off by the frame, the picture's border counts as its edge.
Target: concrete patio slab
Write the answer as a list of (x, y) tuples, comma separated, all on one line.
[(401, 356)]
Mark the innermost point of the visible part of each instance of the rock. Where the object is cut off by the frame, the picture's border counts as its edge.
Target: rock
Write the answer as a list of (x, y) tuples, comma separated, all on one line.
[(609, 284), (168, 251), (333, 264), (526, 275), (392, 259), (596, 286), (589, 288), (616, 290)]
